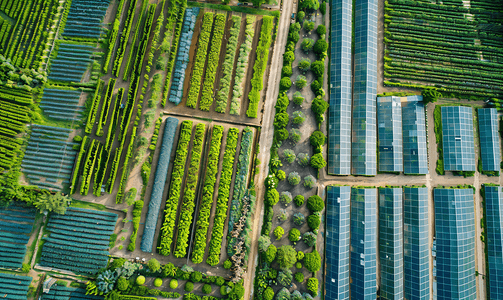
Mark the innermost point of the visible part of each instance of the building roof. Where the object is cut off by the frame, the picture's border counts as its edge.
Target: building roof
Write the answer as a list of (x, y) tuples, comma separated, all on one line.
[(415, 155), (494, 218), (389, 116), (458, 145), (489, 139)]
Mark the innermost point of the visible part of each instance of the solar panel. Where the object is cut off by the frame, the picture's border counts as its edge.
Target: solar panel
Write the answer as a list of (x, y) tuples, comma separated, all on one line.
[(389, 116), (489, 139), (455, 237), (457, 131), (337, 242), (494, 201), (415, 155)]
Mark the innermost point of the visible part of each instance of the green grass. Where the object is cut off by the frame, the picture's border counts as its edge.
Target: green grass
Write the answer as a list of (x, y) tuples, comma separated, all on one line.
[(87, 205)]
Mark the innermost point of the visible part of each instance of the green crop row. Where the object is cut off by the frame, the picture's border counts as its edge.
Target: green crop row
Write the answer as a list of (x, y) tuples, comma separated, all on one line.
[(199, 62), (189, 193), (224, 187), (76, 168), (228, 66), (125, 170), (106, 106), (257, 81), (203, 220), (213, 59), (175, 188), (133, 42), (121, 49), (138, 206), (16, 33), (244, 52), (89, 166), (177, 12), (113, 35), (142, 48), (95, 103)]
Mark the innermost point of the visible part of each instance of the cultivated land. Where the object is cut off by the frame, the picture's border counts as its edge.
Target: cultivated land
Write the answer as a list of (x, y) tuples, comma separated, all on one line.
[(178, 148)]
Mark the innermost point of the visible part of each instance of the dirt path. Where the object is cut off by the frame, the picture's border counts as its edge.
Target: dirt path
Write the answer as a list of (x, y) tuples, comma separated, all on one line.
[(266, 140)]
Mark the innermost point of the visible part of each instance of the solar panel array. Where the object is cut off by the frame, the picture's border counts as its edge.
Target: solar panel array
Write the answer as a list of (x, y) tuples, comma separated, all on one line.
[(363, 243), (62, 104), (391, 243), (489, 140), (416, 243), (14, 287), (415, 155), (389, 116), (337, 242), (363, 145), (494, 218), (339, 113), (84, 19), (457, 134), (455, 236)]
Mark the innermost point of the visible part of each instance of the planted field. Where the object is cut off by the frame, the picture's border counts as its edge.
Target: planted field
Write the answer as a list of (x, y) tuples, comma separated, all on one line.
[(62, 104), (83, 21), (78, 240), (65, 293), (70, 63), (14, 286), (49, 157), (437, 44), (16, 224)]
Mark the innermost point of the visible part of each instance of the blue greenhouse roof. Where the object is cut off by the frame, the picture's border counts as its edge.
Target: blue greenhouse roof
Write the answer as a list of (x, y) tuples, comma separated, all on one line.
[(489, 139), (415, 155), (494, 203), (389, 116), (457, 130)]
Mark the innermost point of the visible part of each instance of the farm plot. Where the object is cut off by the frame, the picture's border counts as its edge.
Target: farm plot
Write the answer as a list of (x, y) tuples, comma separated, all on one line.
[(14, 286), (22, 39), (70, 63), (78, 240), (65, 293), (49, 155), (16, 223), (15, 114), (62, 104), (438, 45), (84, 18)]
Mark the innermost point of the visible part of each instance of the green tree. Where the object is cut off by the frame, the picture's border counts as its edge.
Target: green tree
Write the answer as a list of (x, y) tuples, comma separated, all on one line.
[(318, 68), (297, 98), (281, 120), (272, 197), (140, 280), (258, 3), (304, 64), (285, 84), (52, 203), (189, 286), (321, 30), (317, 139), (315, 203), (320, 48), (264, 242), (289, 155), (286, 256), (313, 221), (154, 265), (294, 178), (300, 16), (122, 283), (285, 277), (317, 161), (309, 4), (301, 82), (270, 254), (294, 235), (307, 43), (278, 232)]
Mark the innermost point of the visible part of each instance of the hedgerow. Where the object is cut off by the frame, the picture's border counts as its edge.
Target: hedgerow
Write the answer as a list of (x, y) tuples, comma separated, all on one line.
[(203, 221), (123, 41), (112, 36), (213, 59), (198, 70), (106, 106), (175, 188), (223, 197), (228, 66), (89, 166), (133, 42), (138, 206), (95, 103), (76, 168), (125, 169), (189, 192)]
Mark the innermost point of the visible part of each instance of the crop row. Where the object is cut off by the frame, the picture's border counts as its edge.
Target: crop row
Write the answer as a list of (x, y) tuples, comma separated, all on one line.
[(95, 103), (189, 192), (203, 220), (175, 188), (257, 81), (133, 42), (213, 59), (89, 166), (228, 66), (125, 169), (224, 187), (106, 106), (112, 36), (76, 168), (16, 37), (200, 60), (242, 64), (138, 207), (142, 47), (121, 49)]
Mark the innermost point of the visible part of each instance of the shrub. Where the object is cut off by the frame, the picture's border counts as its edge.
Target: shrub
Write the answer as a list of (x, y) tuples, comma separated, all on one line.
[(270, 254), (281, 175), (283, 294), (301, 82), (285, 277), (294, 235), (140, 280), (309, 26), (268, 293), (286, 256), (196, 276), (272, 274), (278, 232), (285, 84), (281, 120), (173, 284), (224, 290), (219, 281), (321, 30), (317, 161), (206, 289), (77, 139), (282, 102), (300, 16), (300, 255), (299, 219), (295, 135), (157, 282), (317, 139), (305, 64), (289, 155), (309, 5), (288, 57), (298, 117), (303, 159), (312, 261), (309, 238), (286, 71), (320, 48), (154, 265), (314, 221), (299, 200), (299, 277), (309, 181), (286, 197), (319, 106), (122, 283), (281, 134), (227, 264), (189, 286), (297, 98), (264, 242), (315, 203), (294, 178), (318, 68), (307, 43), (283, 215), (272, 197), (312, 286), (26, 268)]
